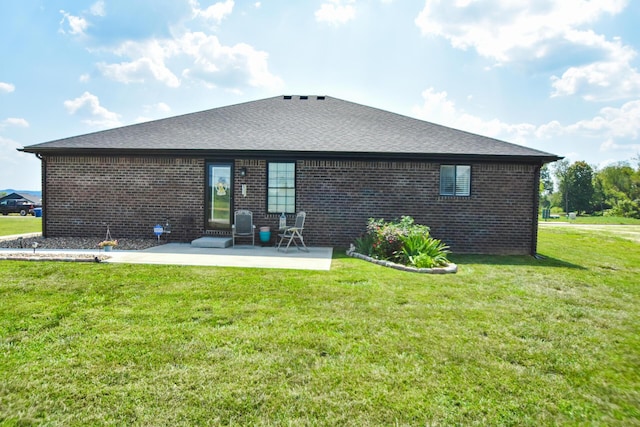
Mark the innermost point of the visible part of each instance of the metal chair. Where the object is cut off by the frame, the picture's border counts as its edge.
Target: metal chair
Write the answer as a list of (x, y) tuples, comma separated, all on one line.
[(294, 233), (243, 226)]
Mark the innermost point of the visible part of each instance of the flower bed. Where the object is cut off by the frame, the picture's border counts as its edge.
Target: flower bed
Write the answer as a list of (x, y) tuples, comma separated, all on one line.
[(449, 268), (403, 245)]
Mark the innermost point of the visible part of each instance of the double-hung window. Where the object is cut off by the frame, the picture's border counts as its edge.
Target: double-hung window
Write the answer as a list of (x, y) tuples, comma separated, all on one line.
[(281, 187), (455, 180)]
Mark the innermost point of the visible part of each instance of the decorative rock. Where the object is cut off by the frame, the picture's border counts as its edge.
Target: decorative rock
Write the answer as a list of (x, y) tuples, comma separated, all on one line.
[(75, 243), (451, 268), (53, 257)]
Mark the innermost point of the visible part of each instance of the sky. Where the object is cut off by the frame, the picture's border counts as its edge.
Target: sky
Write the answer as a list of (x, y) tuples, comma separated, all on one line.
[(558, 76)]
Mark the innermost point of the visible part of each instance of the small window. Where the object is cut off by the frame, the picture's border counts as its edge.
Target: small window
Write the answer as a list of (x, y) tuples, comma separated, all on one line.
[(455, 180), (281, 188)]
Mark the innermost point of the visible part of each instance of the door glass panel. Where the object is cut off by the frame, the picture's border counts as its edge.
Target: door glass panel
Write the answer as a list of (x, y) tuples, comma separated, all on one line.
[(219, 197)]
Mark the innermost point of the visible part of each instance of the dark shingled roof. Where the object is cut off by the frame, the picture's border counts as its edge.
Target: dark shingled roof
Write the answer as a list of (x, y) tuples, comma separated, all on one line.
[(313, 126)]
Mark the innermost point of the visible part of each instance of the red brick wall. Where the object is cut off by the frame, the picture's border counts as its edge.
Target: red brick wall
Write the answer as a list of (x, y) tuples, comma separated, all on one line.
[(339, 197), (132, 194), (84, 194)]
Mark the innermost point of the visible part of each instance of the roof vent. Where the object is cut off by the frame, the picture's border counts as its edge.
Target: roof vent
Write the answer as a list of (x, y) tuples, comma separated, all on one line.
[(304, 97), (287, 97), (320, 98)]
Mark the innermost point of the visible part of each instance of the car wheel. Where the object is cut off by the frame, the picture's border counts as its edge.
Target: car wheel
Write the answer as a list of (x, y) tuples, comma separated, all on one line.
[(23, 212)]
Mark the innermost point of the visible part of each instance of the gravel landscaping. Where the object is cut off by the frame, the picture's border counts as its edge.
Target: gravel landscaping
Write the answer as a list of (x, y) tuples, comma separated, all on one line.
[(77, 243)]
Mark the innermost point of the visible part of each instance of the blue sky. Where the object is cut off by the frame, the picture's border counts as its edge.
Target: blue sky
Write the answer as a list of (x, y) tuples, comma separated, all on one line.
[(559, 76)]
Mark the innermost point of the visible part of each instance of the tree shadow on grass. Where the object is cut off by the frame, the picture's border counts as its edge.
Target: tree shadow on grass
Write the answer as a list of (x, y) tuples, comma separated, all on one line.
[(524, 260)]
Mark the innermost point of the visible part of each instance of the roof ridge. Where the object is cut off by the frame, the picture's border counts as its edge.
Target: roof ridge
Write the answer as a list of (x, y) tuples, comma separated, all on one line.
[(291, 124)]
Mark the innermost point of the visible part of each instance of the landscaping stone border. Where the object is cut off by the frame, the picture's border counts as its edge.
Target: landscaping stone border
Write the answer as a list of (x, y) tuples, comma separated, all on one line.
[(53, 257), (449, 269)]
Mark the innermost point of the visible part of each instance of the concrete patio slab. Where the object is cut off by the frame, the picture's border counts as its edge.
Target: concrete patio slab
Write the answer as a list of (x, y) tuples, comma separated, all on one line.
[(245, 256), (318, 258)]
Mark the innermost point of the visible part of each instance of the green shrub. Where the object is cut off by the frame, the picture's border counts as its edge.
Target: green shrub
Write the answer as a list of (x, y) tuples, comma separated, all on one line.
[(364, 244), (404, 242), (423, 251), (625, 208)]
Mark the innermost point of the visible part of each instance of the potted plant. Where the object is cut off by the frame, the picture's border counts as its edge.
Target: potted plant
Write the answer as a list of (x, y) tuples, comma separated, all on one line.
[(107, 245)]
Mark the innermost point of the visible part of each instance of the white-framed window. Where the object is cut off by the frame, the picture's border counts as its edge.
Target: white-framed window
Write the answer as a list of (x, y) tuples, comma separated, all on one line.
[(281, 187), (455, 180)]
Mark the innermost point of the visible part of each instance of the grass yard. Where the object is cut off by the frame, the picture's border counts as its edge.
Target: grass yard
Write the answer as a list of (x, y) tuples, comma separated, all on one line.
[(13, 224), (506, 341), (608, 220)]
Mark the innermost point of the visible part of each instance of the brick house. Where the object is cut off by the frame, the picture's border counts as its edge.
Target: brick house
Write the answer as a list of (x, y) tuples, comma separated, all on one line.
[(339, 161)]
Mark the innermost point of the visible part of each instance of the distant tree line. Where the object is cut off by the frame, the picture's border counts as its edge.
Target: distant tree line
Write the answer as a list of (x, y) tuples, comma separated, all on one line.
[(613, 190)]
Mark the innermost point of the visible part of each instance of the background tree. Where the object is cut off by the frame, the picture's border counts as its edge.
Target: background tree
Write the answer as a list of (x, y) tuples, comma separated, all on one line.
[(599, 195), (560, 169), (620, 189), (614, 190), (546, 186), (579, 178)]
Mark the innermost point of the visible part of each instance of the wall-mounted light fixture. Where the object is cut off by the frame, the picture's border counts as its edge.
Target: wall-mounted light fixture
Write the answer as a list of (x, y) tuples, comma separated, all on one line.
[(243, 171)]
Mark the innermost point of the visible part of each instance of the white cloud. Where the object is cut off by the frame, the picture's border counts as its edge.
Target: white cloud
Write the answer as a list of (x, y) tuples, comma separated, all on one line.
[(437, 108), (16, 122), (216, 12), (98, 8), (507, 30), (161, 107), (609, 123), (88, 105), (623, 122), (7, 87), (84, 78), (149, 62), (153, 112), (195, 56), (77, 25), (228, 66), (617, 128), (609, 145), (336, 12), (611, 78)]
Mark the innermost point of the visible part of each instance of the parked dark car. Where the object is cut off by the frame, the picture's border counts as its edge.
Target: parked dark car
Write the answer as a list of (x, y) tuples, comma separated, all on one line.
[(19, 206)]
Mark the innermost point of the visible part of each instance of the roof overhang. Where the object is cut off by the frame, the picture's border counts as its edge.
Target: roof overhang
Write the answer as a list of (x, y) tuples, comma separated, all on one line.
[(297, 155)]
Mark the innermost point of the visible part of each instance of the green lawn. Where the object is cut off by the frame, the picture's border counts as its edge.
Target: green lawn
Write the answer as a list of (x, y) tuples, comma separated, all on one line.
[(506, 341), (11, 224), (594, 220)]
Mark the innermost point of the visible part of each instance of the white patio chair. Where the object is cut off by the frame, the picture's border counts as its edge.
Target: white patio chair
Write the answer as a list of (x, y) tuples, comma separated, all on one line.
[(243, 226), (294, 234)]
